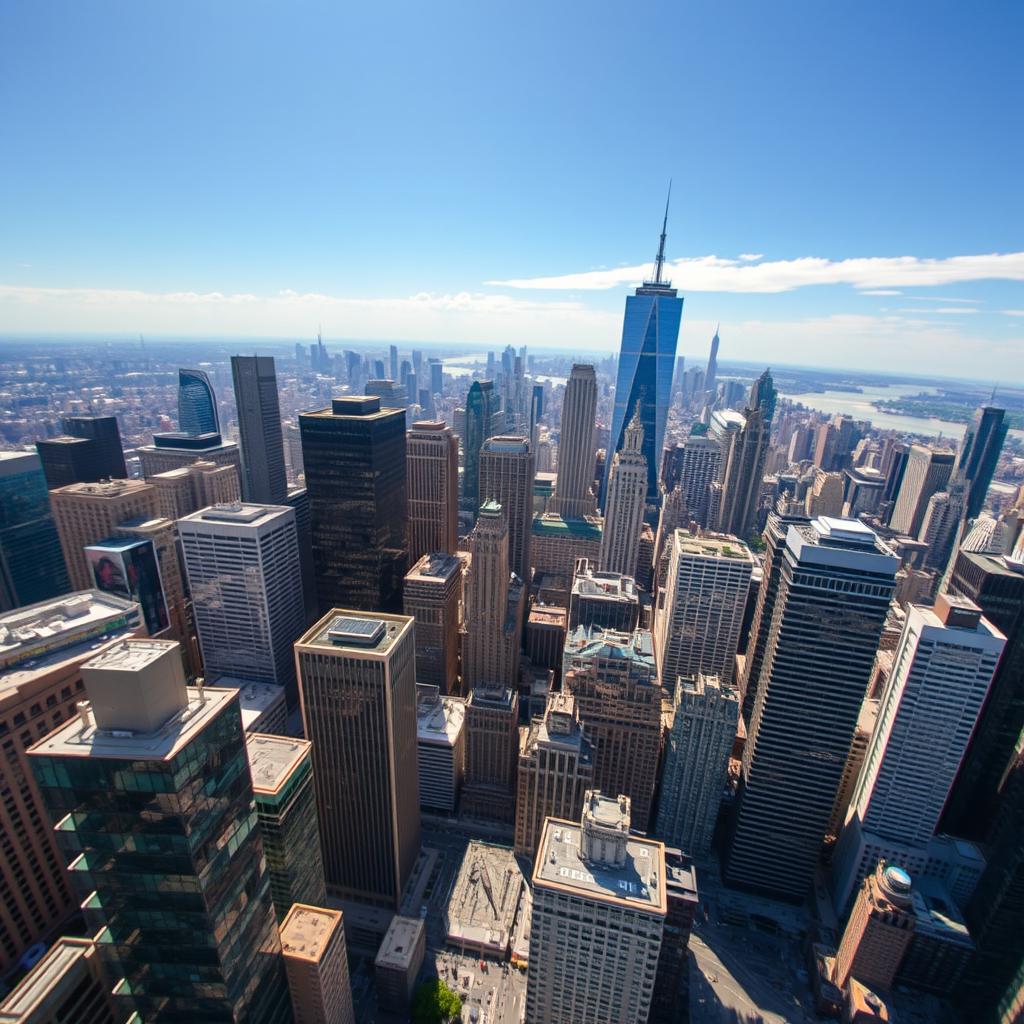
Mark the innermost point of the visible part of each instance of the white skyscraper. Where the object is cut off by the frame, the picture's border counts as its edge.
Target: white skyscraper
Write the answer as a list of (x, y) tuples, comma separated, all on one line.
[(243, 571), (624, 508), (941, 674), (698, 628), (574, 492)]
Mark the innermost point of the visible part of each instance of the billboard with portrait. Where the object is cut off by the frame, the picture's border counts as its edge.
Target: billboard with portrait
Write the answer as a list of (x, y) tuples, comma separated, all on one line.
[(128, 568)]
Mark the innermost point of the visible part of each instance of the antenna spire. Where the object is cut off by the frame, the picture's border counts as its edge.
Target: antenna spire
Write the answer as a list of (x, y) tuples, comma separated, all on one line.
[(659, 263)]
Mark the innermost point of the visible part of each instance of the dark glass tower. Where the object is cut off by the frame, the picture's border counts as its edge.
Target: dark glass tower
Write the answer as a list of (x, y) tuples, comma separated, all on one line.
[(152, 802), (647, 357), (105, 435), (259, 427), (996, 586), (197, 404), (88, 451), (482, 406), (979, 454), (354, 456), (31, 561)]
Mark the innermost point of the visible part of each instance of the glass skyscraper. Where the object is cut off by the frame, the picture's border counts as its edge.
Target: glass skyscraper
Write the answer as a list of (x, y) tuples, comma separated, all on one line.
[(197, 404), (482, 408), (979, 454), (647, 354)]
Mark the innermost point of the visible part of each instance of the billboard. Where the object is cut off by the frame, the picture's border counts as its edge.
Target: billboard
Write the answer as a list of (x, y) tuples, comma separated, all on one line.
[(128, 568)]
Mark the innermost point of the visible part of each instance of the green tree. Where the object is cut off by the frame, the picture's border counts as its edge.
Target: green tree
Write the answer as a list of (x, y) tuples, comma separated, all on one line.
[(435, 1003)]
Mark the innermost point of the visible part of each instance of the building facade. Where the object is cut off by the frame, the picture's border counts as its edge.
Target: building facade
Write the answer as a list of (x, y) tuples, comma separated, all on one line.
[(506, 476), (432, 482), (316, 963), (927, 470), (625, 503), (492, 747), (264, 479), (574, 492), (432, 595), (605, 599)]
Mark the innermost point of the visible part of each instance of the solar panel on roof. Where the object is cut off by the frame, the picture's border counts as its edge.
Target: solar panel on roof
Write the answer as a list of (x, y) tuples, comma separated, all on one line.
[(350, 630)]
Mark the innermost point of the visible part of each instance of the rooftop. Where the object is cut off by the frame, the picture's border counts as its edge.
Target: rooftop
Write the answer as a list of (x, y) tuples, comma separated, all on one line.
[(434, 566), (713, 547), (357, 632), (104, 488), (134, 656), (237, 513), (361, 407), (510, 444), (484, 899), (638, 885), (273, 758), (604, 585), (551, 524), (19, 462), (547, 615), (307, 931), (399, 946), (593, 641), (32, 990), (438, 719), (77, 739), (255, 698)]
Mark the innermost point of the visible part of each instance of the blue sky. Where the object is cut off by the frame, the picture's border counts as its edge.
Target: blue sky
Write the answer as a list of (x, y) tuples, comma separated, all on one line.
[(459, 171)]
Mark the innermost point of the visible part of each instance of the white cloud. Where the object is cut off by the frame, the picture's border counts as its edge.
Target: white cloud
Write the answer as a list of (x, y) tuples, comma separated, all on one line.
[(1013, 312), (749, 257), (721, 274), (881, 291), (957, 310)]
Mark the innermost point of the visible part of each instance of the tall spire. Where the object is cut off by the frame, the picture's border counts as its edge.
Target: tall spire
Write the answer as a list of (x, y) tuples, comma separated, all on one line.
[(634, 439), (659, 263)]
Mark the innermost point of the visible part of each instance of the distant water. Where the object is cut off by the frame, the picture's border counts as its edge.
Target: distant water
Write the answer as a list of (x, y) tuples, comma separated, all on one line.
[(466, 366)]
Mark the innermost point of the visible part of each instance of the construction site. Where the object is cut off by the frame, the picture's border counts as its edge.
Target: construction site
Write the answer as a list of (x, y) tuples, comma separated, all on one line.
[(481, 912)]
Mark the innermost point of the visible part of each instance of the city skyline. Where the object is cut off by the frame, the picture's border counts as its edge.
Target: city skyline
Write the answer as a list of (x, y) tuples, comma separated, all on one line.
[(818, 203)]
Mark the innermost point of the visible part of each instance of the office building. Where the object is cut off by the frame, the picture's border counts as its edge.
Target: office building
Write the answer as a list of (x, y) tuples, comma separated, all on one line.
[(979, 454), (996, 585), (545, 635), (599, 908), (697, 630), (927, 471), (494, 608), (172, 451), (506, 476), (940, 527), (107, 455), (182, 491), (625, 503), (557, 543), (942, 671), (70, 460), (775, 532), (574, 494), (32, 565), (42, 649), (264, 708), (696, 767), (282, 784), (165, 946), (742, 475), (671, 983), (826, 495), (854, 763), (397, 963), (264, 480), (492, 748), (242, 563), (700, 467), (614, 680), (432, 482), (556, 769), (606, 599), (440, 749), (197, 403), (483, 420), (354, 455), (831, 603), (357, 683), (432, 595), (65, 987), (647, 354), (89, 512), (941, 950), (316, 963), (711, 373), (879, 930)]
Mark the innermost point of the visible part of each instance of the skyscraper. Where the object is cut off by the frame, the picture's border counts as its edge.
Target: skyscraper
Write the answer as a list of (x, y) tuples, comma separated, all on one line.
[(597, 961), (105, 435), (624, 507), (354, 454), (506, 476), (432, 595), (243, 570), (432, 483), (836, 582), (40, 660), (614, 681), (494, 606), (188, 929), (711, 374), (197, 404), (282, 784), (647, 355), (698, 628), (357, 683), (264, 480), (32, 565), (743, 474), (941, 674), (979, 454), (574, 496), (702, 456), (996, 585), (696, 768), (556, 769), (492, 745), (316, 962), (604, 599), (87, 513), (483, 407), (187, 489), (927, 471), (940, 527)]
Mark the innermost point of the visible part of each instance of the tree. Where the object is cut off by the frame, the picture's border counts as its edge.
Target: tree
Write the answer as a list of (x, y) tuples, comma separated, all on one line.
[(435, 1003)]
